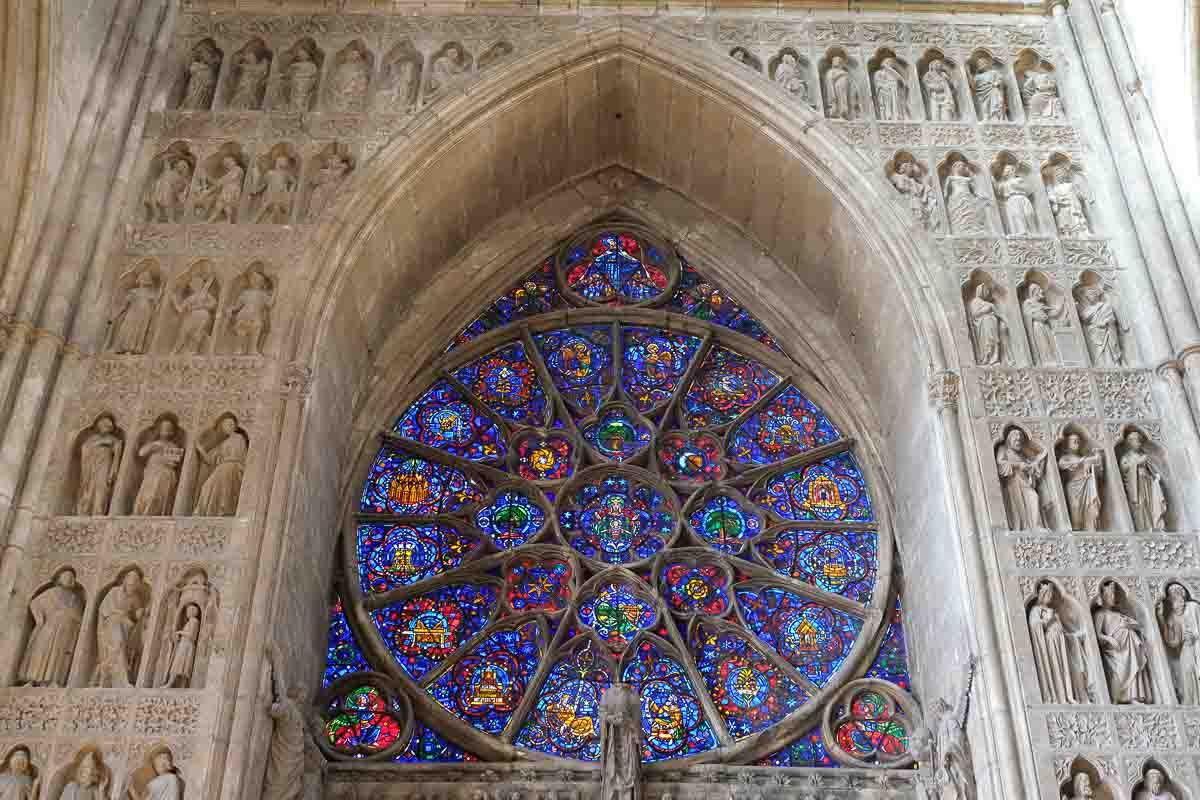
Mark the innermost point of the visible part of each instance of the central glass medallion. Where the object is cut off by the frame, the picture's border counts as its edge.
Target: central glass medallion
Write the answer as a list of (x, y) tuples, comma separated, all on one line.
[(617, 517)]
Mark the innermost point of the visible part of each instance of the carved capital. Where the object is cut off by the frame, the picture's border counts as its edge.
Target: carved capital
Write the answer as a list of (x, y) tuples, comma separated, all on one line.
[(944, 390), (297, 380)]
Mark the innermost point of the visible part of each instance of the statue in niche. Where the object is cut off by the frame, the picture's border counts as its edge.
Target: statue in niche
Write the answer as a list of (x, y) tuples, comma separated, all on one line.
[(401, 82), (201, 78), (57, 616), (1067, 202), (188, 629), (891, 91), (963, 205), (1081, 474), (1020, 475), (939, 87), (789, 75), (620, 744), (131, 325), (1103, 327), (90, 777), (1039, 316), (990, 90), (1081, 787), (921, 202), (277, 187), (184, 642), (1058, 653), (1155, 786), (334, 169), (1122, 649), (839, 89), (1179, 620), (302, 76), (250, 81), (164, 203), (990, 329), (1017, 203), (18, 776), (99, 457), (119, 632), (220, 492), (163, 457), (289, 743), (1143, 485), (251, 312), (449, 65), (195, 305), (348, 84), (1040, 91), (158, 779), (219, 199)]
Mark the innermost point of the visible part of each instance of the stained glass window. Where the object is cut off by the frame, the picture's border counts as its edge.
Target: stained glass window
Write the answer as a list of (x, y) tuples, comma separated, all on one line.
[(619, 481)]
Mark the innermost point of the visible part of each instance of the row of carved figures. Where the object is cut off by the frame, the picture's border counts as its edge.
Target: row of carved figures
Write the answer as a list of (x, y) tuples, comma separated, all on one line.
[(299, 79), (1006, 198), (1143, 659), (230, 186), (935, 87), (146, 478), (1084, 783), (1059, 329), (111, 641), (194, 304), (88, 777), (1079, 491)]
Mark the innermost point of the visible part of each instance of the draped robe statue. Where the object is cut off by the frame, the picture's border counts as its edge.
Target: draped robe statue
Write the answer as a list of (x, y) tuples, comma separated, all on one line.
[(119, 632), (18, 776), (1179, 621), (1143, 486), (57, 615), (991, 332), (1020, 475), (90, 777), (1081, 482), (990, 90), (1057, 651), (99, 456), (620, 744), (1103, 328), (1155, 787), (285, 765), (1123, 648)]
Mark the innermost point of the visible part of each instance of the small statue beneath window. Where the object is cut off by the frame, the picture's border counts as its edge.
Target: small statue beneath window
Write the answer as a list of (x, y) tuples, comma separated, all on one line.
[(939, 87), (1179, 621), (620, 744), (1123, 650), (286, 759), (945, 745)]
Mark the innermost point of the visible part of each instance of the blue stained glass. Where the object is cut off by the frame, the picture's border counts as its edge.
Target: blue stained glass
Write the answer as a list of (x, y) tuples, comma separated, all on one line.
[(616, 519), (725, 386), (511, 519), (343, 655), (654, 362), (695, 588), (832, 490), (402, 483), (813, 637), (673, 724), (617, 614), (786, 426), (579, 361), (427, 746), (615, 268), (424, 630), (506, 381), (538, 584), (616, 434), (807, 751), (724, 524), (750, 692), (842, 562), (443, 418), (565, 718), (691, 457), (891, 662), (485, 686), (536, 294), (698, 298), (391, 556)]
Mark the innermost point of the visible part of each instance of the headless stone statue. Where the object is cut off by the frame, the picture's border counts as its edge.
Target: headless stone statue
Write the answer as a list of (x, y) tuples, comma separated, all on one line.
[(620, 744)]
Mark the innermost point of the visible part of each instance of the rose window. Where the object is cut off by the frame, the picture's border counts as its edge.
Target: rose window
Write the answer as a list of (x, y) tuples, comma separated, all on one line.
[(615, 474)]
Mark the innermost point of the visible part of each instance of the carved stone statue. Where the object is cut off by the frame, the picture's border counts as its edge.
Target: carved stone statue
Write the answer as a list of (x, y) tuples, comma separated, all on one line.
[(250, 81), (1067, 202), (1081, 787), (219, 199), (195, 305), (251, 312), (165, 200), (119, 632), (1081, 474), (201, 78), (1016, 202), (989, 328), (1058, 653), (921, 202), (18, 776), (620, 744), (90, 777), (1179, 622), (1039, 316), (131, 325), (334, 169), (944, 744), (839, 90), (187, 631), (1040, 91), (1123, 650), (1143, 485), (399, 83), (285, 767), (1020, 475), (348, 84), (219, 494), (1103, 328), (450, 64), (278, 188), (963, 205), (163, 458), (99, 457), (939, 88), (891, 91), (1154, 787), (57, 615), (789, 76), (183, 649), (990, 90), (158, 779), (302, 77)]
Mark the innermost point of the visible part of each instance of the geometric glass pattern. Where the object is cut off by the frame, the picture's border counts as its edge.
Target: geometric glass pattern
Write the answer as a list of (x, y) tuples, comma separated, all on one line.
[(506, 381), (841, 562), (891, 662), (814, 637), (695, 588), (616, 269), (726, 385), (423, 630), (786, 426), (342, 656), (427, 746), (544, 457), (672, 723), (536, 294), (656, 362), (807, 751), (442, 418), (832, 490), (615, 518), (698, 298), (616, 614), (511, 519), (395, 555), (579, 361), (724, 523), (565, 718), (402, 483), (361, 723), (870, 731), (536, 584)]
